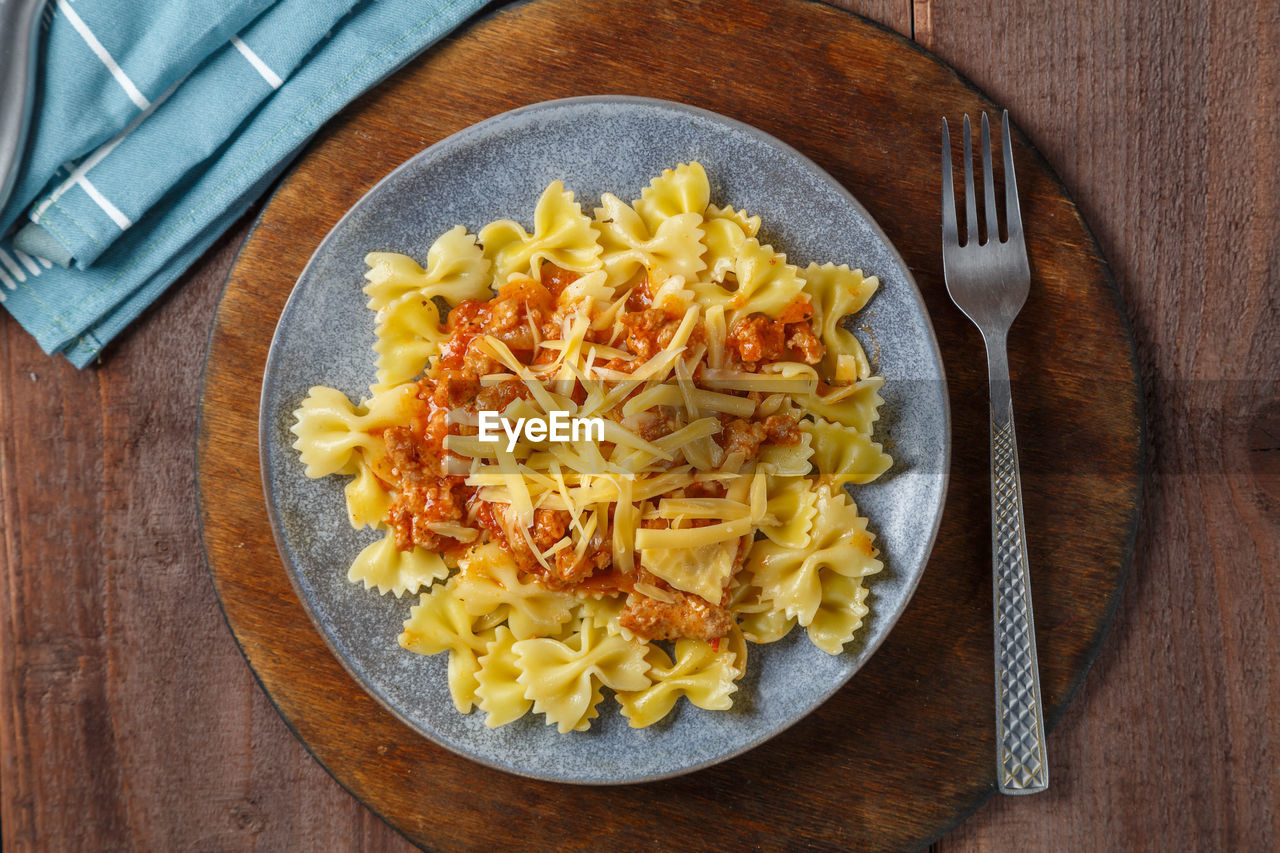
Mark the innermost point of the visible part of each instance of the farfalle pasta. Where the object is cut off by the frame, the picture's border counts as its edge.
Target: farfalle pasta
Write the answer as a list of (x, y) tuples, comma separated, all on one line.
[(709, 511)]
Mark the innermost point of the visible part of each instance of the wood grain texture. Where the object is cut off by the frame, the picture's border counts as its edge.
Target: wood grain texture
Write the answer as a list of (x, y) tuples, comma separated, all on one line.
[(1163, 120), (130, 720), (921, 710), (894, 14)]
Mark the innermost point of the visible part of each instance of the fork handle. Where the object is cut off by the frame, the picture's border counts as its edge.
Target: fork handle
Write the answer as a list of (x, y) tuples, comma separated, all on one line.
[(1022, 766)]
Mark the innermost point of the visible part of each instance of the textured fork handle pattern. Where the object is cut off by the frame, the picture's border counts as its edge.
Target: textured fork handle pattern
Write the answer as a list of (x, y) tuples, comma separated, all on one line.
[(1023, 768)]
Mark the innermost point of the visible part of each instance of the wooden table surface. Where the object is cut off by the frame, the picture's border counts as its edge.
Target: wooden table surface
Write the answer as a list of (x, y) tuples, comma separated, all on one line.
[(131, 720)]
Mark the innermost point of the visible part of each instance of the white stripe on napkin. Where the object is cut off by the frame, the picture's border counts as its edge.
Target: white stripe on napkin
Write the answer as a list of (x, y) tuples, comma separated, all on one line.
[(29, 262), (101, 52), (76, 173), (122, 222), (272, 78), (12, 266)]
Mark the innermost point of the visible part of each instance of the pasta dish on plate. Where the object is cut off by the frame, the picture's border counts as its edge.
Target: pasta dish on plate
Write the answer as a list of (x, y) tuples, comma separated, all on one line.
[(728, 406)]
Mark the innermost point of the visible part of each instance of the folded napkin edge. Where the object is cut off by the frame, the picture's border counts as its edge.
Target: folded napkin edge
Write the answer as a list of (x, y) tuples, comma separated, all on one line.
[(39, 243), (66, 335)]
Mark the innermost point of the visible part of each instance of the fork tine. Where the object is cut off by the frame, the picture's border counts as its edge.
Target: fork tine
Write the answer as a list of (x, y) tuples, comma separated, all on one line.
[(949, 233), (970, 200), (1012, 213), (989, 185)]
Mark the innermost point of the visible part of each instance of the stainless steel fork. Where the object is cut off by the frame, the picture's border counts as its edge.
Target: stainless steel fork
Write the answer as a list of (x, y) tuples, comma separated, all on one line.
[(989, 282)]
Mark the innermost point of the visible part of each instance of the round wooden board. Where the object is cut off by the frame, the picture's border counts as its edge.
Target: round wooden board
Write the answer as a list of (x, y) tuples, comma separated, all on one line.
[(906, 750)]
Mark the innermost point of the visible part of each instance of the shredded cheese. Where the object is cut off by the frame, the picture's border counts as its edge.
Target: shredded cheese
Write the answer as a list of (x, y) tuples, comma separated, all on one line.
[(692, 537), (654, 592), (722, 508), (624, 528)]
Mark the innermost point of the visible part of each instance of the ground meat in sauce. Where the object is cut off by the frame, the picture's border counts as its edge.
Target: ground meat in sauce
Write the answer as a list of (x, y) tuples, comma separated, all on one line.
[(570, 571), (466, 322), (622, 365), (742, 436), (690, 616), (707, 489), (503, 529), (802, 341), (639, 297), (745, 436), (797, 310), (512, 317), (455, 387), (497, 396), (426, 495), (508, 323), (758, 338), (782, 429), (598, 555), (480, 513), (555, 279), (653, 426), (549, 526), (649, 330)]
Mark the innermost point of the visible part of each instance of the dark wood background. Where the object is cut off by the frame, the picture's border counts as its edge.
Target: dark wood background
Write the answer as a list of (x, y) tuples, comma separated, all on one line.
[(131, 720)]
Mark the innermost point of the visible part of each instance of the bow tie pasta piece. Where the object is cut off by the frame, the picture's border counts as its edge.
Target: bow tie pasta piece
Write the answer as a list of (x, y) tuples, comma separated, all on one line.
[(723, 238), (855, 406), (367, 498), (563, 679), (677, 191), (384, 567), (736, 645), (787, 460), (456, 270), (408, 335), (488, 584), (606, 612), (750, 225), (698, 567), (562, 235), (699, 673), (842, 455), (790, 578), (837, 292), (675, 249), (331, 430), (440, 623), (409, 330), (499, 694), (766, 282), (839, 614), (791, 509), (758, 620), (762, 280)]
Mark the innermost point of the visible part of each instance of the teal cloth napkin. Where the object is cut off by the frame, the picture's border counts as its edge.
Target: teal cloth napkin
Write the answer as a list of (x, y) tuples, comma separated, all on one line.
[(159, 124)]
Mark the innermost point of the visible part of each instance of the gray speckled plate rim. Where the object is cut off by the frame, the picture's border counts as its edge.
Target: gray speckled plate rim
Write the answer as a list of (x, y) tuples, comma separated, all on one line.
[(460, 138)]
